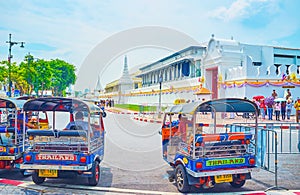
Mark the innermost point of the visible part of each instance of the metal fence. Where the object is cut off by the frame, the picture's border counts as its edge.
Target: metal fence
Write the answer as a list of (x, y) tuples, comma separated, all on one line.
[(288, 136), (274, 139)]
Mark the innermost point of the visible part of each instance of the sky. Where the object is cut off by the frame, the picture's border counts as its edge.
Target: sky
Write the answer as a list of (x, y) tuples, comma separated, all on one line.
[(71, 29)]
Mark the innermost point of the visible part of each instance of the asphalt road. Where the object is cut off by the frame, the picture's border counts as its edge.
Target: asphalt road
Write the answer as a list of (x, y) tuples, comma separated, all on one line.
[(133, 160)]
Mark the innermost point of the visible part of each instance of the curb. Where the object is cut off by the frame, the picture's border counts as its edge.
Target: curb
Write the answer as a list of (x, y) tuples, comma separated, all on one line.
[(108, 190), (136, 118), (146, 120)]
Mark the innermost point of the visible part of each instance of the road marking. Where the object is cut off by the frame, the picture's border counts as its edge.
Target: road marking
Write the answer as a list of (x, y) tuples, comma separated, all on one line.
[(43, 188), (31, 185)]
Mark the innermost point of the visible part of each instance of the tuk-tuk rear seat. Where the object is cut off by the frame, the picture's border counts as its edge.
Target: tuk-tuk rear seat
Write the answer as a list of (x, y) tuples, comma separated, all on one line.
[(222, 137), (57, 133)]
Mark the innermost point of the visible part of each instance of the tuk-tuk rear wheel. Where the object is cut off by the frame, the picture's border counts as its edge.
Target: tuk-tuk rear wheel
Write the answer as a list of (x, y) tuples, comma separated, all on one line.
[(94, 180), (36, 179), (237, 183), (181, 179)]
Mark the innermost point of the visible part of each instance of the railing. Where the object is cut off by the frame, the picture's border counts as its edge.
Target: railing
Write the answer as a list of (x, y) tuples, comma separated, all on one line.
[(221, 150), (288, 136), (267, 147), (57, 147)]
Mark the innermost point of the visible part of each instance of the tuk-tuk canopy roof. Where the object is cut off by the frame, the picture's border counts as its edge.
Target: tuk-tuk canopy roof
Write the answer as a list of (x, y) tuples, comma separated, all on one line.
[(218, 105), (11, 103), (60, 104)]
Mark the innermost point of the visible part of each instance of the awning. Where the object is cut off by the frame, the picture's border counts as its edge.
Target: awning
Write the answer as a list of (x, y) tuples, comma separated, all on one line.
[(218, 105), (60, 104)]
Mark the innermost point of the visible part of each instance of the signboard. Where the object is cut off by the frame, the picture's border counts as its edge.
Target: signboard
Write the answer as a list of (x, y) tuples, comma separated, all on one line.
[(55, 157), (225, 161)]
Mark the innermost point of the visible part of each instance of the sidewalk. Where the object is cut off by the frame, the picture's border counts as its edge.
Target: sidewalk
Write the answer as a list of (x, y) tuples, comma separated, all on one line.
[(152, 117)]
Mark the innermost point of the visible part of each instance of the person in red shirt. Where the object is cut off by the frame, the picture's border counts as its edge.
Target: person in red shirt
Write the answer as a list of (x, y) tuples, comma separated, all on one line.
[(263, 108)]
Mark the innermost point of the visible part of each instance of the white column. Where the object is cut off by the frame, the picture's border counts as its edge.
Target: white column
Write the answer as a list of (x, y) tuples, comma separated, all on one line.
[(180, 70)]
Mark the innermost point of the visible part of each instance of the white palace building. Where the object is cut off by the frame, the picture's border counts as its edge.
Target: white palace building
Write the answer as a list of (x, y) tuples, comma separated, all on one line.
[(221, 68)]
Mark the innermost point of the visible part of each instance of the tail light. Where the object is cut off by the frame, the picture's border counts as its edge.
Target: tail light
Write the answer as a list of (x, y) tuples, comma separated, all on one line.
[(12, 150), (199, 165), (252, 161), (28, 158), (82, 159), (31, 137)]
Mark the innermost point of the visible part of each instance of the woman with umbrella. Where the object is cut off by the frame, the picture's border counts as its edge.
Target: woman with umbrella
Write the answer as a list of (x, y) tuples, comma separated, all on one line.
[(269, 101)]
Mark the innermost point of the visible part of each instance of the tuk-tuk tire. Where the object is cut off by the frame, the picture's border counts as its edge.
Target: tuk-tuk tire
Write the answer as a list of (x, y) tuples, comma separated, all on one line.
[(104, 114), (36, 179), (237, 183), (181, 179), (94, 180)]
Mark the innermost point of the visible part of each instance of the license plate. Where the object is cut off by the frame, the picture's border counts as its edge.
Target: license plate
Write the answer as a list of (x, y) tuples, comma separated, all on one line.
[(2, 149), (47, 173), (223, 178)]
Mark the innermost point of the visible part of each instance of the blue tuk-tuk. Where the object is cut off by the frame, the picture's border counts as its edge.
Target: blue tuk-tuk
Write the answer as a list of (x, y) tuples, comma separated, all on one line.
[(62, 152), (203, 149), (11, 132)]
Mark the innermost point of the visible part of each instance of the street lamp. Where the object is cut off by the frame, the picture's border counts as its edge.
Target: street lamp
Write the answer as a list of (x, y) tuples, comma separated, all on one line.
[(11, 43), (159, 101)]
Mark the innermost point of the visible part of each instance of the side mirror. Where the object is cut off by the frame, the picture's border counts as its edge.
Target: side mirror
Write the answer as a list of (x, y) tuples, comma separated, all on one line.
[(104, 114)]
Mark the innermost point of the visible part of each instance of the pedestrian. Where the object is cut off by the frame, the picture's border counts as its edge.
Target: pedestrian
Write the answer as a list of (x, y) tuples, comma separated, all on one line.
[(270, 109), (297, 107), (262, 107), (283, 110), (288, 94), (289, 106), (274, 94), (277, 108)]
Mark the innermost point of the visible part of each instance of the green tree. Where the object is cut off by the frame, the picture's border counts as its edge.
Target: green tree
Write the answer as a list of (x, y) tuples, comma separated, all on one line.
[(3, 73), (17, 77), (63, 76), (39, 75)]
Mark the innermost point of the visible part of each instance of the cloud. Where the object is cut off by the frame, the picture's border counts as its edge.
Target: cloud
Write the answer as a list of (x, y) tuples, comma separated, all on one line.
[(70, 29), (242, 9)]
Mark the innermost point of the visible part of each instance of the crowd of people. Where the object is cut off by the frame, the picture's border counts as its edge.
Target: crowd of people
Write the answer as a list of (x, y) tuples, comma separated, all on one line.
[(280, 107)]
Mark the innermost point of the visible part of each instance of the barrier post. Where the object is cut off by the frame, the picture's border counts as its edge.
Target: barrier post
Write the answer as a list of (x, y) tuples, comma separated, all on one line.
[(276, 165)]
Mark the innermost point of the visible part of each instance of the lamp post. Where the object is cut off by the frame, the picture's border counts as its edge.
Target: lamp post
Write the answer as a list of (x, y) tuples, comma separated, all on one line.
[(159, 101), (11, 43)]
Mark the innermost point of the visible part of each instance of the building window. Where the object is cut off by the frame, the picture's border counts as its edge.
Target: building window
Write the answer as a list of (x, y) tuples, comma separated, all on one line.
[(136, 85), (256, 63), (192, 70), (186, 68)]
